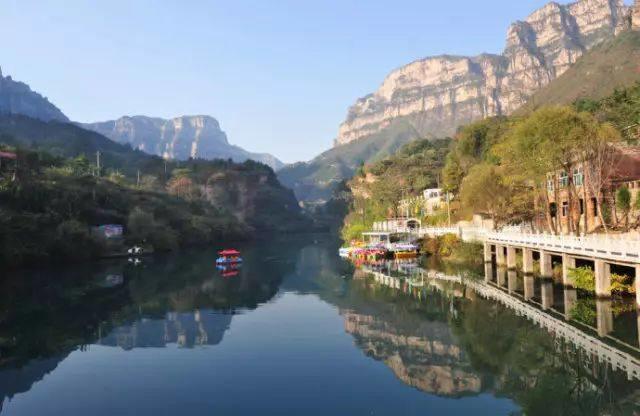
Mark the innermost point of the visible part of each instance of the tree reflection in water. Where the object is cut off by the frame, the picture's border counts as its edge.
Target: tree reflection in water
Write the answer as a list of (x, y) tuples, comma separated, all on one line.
[(441, 338), (448, 340)]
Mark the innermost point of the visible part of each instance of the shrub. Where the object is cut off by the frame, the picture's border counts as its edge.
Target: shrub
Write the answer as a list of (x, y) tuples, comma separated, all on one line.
[(622, 284), (431, 246), (583, 278), (623, 199), (449, 243), (353, 231), (584, 310)]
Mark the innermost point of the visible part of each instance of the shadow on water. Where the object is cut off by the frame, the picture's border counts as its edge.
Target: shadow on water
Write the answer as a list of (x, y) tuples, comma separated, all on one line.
[(454, 334)]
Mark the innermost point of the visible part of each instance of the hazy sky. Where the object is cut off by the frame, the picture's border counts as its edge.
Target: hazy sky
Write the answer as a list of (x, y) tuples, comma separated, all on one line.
[(278, 75)]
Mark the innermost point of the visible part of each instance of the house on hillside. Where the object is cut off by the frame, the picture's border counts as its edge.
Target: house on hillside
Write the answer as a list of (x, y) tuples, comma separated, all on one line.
[(429, 203), (572, 199)]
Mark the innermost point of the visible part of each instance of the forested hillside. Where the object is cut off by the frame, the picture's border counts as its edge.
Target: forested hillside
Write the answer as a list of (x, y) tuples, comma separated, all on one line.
[(315, 181), (377, 188), (55, 191), (499, 166)]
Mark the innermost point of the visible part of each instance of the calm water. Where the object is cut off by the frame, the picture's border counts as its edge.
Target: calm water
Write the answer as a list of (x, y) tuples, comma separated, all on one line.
[(298, 331)]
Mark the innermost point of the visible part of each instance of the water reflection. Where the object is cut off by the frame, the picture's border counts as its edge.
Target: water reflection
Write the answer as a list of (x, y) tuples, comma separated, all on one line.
[(446, 333), (180, 300), (502, 339), (186, 329)]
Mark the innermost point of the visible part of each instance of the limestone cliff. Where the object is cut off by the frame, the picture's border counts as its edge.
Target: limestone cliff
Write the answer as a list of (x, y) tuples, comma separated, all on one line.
[(17, 98), (438, 94), (178, 138)]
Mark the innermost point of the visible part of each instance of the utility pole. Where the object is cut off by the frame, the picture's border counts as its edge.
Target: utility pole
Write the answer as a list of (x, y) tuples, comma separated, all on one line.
[(98, 163), (138, 181)]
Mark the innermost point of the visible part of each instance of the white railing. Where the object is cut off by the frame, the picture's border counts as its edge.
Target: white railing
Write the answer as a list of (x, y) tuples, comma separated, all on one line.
[(611, 247), (616, 247)]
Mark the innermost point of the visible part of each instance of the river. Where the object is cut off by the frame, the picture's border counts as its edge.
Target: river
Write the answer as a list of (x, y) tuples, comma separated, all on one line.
[(298, 331)]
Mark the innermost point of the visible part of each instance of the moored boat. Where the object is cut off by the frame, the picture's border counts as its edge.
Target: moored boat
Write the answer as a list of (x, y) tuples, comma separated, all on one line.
[(229, 257)]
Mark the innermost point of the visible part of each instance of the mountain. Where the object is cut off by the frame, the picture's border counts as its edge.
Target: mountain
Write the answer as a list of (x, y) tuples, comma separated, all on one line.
[(68, 141), (313, 182), (17, 98), (178, 138), (610, 65), (441, 93), (249, 190), (432, 97), (184, 203)]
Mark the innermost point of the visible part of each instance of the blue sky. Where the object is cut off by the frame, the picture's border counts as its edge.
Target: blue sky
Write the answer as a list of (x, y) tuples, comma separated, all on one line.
[(278, 75)]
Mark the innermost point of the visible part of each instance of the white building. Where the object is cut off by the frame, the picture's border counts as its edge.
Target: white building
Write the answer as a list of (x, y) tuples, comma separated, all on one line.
[(430, 202)]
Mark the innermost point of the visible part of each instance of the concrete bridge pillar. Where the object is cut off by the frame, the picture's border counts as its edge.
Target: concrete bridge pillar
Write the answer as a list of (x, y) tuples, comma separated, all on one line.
[(570, 299), (568, 263), (488, 272), (487, 252), (547, 295), (512, 281), (604, 316), (546, 268), (527, 260), (501, 275), (529, 287), (636, 282), (511, 257), (500, 260), (603, 278), (638, 320)]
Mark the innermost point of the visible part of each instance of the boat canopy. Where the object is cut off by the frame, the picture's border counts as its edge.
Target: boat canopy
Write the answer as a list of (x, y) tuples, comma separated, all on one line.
[(229, 253)]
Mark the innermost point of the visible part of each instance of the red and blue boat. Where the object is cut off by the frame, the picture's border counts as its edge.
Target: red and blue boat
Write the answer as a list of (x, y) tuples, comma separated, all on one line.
[(228, 257)]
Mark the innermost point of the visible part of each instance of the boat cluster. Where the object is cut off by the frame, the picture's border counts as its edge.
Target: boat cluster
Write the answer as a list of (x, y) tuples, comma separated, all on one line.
[(374, 252)]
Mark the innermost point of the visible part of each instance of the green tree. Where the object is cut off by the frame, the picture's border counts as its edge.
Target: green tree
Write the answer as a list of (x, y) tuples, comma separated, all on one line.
[(623, 203)]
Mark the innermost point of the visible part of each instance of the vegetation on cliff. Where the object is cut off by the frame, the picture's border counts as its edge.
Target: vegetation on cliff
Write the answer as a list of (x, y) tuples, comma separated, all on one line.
[(315, 181), (610, 65)]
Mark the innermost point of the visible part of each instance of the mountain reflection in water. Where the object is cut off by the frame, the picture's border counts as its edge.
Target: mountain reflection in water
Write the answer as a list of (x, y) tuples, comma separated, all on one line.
[(456, 347)]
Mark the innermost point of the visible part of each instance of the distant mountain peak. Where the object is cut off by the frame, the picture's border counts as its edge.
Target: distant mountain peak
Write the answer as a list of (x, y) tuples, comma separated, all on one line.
[(182, 137), (18, 98)]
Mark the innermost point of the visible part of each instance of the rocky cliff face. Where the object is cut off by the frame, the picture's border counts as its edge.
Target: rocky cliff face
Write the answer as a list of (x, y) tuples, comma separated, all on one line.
[(17, 98), (438, 94), (178, 138)]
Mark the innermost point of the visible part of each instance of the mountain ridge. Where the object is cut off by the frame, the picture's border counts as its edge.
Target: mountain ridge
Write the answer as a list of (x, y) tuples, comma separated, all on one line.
[(452, 90), (208, 140), (18, 98), (183, 137), (312, 180)]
